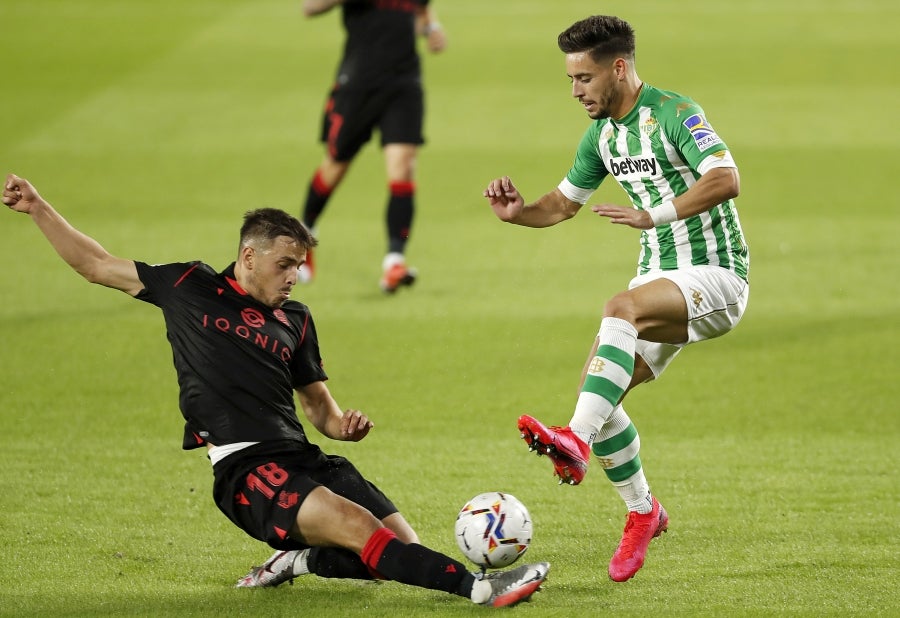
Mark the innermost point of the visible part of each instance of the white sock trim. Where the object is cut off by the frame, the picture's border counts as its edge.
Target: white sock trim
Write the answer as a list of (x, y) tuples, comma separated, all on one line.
[(300, 562), (481, 591), (635, 492), (392, 259), (618, 332), (591, 412)]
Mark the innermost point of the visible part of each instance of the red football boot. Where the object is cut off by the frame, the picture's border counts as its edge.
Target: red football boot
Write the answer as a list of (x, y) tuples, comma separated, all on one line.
[(568, 452), (639, 531)]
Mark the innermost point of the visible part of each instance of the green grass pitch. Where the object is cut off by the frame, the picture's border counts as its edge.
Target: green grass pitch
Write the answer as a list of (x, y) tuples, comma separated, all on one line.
[(154, 125)]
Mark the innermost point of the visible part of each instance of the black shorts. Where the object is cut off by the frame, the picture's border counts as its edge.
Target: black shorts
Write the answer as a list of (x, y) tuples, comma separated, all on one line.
[(396, 109), (261, 488)]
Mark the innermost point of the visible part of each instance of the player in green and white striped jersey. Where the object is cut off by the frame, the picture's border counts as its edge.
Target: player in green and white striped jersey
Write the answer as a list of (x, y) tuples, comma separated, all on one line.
[(693, 265)]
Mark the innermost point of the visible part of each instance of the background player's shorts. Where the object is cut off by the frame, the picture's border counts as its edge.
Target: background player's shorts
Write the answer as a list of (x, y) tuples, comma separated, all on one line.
[(716, 300), (397, 110), (260, 488)]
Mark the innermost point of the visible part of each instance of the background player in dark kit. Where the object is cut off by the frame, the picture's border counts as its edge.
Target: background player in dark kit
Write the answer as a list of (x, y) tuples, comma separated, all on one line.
[(240, 349), (378, 86)]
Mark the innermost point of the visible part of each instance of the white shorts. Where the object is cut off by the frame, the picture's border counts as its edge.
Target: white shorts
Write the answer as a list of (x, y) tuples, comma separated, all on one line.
[(716, 300)]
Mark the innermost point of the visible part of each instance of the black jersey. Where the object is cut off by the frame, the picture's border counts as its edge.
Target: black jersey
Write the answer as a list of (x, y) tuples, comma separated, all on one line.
[(381, 42), (238, 360)]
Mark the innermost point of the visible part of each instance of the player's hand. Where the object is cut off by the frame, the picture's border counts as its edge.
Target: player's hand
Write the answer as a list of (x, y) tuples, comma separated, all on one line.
[(436, 40), (504, 199), (625, 215), (19, 195), (355, 426)]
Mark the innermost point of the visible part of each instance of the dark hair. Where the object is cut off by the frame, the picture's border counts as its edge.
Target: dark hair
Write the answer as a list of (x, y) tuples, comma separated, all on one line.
[(600, 35), (266, 224)]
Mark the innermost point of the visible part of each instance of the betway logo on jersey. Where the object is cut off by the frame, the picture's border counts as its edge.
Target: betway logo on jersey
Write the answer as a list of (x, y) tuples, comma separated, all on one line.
[(632, 168)]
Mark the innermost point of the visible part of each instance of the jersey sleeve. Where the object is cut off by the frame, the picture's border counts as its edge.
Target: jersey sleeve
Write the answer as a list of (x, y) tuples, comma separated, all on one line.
[(587, 171), (686, 126), (306, 364), (161, 279)]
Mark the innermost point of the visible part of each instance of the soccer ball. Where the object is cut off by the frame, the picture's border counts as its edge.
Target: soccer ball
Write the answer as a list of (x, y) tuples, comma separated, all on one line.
[(493, 529)]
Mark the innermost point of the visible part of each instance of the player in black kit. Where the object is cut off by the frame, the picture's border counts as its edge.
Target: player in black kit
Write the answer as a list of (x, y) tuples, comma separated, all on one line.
[(240, 349), (378, 86)]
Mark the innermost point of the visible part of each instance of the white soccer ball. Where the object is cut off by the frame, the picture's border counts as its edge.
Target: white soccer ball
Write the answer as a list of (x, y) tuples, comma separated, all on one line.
[(493, 529)]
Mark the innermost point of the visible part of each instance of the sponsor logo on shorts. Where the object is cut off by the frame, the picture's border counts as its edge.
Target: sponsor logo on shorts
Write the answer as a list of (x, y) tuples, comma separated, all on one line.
[(702, 132), (287, 499), (697, 297)]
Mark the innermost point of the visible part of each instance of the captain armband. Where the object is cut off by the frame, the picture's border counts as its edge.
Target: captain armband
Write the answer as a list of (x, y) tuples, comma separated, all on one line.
[(663, 214)]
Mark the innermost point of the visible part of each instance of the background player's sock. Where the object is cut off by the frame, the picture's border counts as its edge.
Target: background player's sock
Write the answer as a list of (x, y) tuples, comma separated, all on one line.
[(400, 209), (317, 196)]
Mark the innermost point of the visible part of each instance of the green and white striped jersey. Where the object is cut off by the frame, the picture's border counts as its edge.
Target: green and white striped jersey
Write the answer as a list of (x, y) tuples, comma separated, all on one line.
[(656, 153)]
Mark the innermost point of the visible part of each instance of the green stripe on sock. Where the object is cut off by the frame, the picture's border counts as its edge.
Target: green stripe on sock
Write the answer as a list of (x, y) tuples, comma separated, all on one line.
[(614, 354), (607, 389), (623, 472), (615, 443)]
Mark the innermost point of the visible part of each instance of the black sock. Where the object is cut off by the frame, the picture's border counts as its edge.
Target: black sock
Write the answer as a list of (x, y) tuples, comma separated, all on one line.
[(317, 196), (416, 565), (400, 209), (337, 563)]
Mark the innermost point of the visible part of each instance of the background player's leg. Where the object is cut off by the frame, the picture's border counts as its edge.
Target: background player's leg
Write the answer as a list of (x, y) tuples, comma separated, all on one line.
[(323, 183), (400, 161), (325, 180)]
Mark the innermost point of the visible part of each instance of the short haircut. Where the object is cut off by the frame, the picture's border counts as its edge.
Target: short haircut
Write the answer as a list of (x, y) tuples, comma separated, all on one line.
[(264, 225), (603, 36)]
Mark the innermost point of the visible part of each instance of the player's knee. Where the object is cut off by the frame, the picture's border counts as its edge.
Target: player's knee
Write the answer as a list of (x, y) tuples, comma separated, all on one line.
[(621, 306), (401, 528)]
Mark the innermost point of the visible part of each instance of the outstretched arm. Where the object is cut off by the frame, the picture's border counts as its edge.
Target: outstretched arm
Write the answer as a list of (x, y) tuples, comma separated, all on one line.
[(81, 252), (324, 413), (317, 7), (509, 205)]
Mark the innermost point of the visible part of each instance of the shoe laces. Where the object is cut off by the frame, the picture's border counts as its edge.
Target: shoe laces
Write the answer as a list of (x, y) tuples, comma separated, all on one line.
[(636, 527)]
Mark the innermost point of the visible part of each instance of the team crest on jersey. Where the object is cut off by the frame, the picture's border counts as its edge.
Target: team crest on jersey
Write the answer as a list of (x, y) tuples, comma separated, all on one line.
[(702, 132), (281, 317), (649, 126)]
